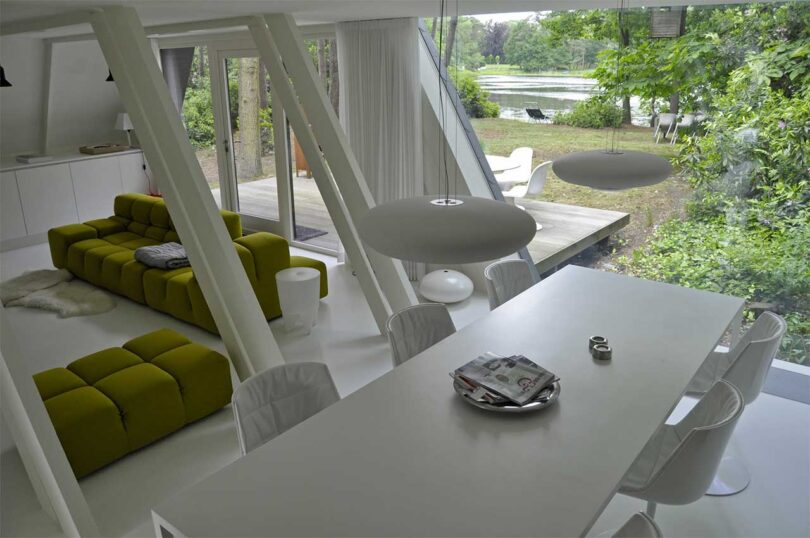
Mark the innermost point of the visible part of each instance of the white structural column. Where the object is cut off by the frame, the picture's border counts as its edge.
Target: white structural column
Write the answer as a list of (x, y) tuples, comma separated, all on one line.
[(224, 284), (44, 459), (346, 171), (283, 91)]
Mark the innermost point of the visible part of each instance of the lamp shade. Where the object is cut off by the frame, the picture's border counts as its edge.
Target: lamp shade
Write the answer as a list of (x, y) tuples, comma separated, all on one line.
[(612, 170), (417, 229), (122, 122)]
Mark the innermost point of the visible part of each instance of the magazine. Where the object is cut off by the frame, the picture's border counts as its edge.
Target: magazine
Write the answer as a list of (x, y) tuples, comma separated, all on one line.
[(514, 378)]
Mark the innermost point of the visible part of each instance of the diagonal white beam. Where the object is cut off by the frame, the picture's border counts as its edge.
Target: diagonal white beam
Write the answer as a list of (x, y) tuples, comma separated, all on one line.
[(345, 168), (285, 94), (40, 450), (222, 278)]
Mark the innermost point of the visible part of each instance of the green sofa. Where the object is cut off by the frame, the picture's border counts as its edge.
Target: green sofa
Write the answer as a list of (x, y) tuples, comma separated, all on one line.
[(108, 404), (102, 252)]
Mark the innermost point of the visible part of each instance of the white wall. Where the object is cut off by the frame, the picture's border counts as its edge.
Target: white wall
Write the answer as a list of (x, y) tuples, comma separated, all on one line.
[(21, 105), (82, 105)]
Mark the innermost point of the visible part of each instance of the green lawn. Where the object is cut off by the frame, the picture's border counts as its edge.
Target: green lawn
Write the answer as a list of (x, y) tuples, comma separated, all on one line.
[(648, 206), (514, 70)]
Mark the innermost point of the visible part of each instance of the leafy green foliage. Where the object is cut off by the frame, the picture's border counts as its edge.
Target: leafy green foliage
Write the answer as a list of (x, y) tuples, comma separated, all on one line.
[(531, 46), (594, 113), (473, 97)]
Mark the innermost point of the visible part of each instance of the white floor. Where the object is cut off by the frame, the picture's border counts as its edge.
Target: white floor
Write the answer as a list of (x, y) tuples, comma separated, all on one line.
[(773, 436)]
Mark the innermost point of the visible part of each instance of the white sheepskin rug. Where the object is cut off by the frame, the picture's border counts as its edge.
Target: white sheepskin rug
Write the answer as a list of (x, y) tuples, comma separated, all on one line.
[(56, 291)]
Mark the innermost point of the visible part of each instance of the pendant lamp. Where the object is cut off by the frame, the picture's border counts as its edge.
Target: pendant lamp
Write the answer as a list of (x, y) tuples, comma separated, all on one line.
[(109, 77), (444, 229), (613, 169), (3, 82)]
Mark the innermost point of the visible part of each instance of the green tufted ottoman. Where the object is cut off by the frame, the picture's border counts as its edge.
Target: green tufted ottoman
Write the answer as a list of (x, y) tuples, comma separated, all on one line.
[(108, 404)]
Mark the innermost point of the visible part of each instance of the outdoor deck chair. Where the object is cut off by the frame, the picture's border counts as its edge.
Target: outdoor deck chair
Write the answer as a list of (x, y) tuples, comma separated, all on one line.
[(664, 121)]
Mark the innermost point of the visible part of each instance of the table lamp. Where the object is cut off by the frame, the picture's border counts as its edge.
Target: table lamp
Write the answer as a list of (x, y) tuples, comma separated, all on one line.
[(122, 123)]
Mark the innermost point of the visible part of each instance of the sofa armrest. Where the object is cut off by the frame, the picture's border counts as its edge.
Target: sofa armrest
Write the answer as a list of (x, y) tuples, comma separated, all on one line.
[(105, 227), (60, 239), (269, 254)]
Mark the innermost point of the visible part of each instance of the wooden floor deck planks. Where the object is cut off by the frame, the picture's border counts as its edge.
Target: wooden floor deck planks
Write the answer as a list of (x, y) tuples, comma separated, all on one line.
[(567, 229)]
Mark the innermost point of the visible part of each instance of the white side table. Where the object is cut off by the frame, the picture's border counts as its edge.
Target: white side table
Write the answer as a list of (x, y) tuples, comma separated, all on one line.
[(299, 296)]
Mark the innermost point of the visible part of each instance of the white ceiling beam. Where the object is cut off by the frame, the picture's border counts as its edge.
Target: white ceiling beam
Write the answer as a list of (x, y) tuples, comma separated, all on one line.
[(217, 268), (40, 24)]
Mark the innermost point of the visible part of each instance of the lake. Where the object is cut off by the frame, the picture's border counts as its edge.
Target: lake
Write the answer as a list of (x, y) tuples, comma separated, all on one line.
[(551, 94)]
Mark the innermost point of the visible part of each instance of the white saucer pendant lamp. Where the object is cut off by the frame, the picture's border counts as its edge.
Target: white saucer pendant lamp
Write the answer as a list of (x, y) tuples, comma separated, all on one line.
[(612, 170), (465, 229)]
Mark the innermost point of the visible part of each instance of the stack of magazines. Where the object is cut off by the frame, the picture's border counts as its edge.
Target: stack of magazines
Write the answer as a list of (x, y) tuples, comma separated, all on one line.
[(503, 380)]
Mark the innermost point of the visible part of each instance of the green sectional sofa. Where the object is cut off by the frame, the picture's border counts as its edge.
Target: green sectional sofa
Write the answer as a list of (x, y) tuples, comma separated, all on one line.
[(102, 252), (108, 404)]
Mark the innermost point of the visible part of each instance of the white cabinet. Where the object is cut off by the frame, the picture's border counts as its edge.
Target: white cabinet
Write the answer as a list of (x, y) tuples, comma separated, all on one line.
[(133, 175), (12, 223), (96, 183), (47, 197)]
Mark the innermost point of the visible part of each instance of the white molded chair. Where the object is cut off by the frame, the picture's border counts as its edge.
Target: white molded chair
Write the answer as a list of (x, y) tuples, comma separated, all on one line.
[(746, 367), (535, 186), (506, 279), (664, 120), (678, 464), (640, 525), (273, 401), (415, 328), (521, 173)]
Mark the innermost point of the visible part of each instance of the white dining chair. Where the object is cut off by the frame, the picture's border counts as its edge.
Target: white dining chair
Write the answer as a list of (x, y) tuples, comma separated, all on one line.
[(506, 279), (273, 401), (746, 366), (640, 525), (415, 328), (520, 174), (664, 120), (535, 186), (678, 463)]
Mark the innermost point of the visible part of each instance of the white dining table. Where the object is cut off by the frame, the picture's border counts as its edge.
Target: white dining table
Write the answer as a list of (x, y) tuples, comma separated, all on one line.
[(405, 456)]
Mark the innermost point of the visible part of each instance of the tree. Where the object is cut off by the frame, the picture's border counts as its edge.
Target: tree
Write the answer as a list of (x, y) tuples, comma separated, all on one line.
[(451, 38), (494, 38), (334, 79), (250, 151)]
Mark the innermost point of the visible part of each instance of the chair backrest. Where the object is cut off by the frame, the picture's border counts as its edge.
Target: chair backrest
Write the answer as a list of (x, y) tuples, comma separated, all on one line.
[(640, 525), (539, 178), (751, 358), (684, 475), (415, 328), (520, 174), (506, 279), (273, 401)]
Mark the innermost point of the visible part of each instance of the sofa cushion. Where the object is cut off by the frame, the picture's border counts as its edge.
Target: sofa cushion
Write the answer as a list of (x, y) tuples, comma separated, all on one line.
[(55, 381), (100, 364), (105, 227), (122, 237), (203, 377), (77, 253), (121, 274), (150, 345), (89, 427), (94, 260), (149, 401)]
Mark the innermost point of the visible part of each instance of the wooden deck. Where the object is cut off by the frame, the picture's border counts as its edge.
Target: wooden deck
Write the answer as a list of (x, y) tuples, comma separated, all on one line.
[(567, 229)]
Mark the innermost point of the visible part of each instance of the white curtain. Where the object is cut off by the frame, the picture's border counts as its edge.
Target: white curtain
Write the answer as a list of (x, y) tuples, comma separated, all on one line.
[(380, 106)]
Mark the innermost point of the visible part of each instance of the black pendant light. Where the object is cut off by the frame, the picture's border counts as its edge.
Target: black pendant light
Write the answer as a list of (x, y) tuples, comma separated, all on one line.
[(3, 82), (109, 76)]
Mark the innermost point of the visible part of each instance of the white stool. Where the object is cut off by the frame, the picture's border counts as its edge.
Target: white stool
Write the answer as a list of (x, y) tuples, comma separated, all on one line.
[(299, 295), (446, 286)]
